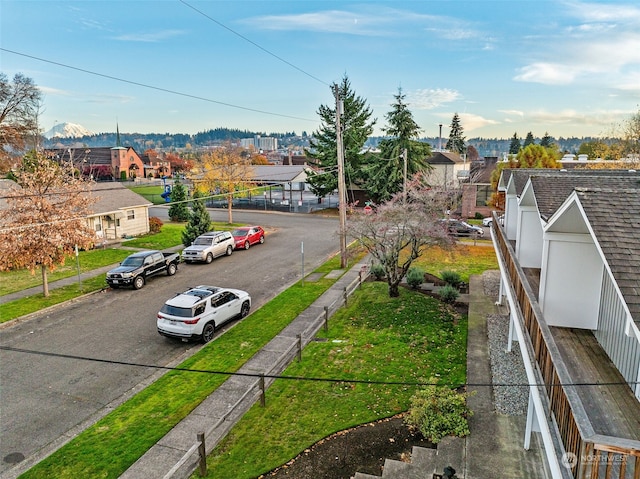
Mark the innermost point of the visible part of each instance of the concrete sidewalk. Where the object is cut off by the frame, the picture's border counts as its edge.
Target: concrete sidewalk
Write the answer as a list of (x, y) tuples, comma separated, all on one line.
[(226, 405)]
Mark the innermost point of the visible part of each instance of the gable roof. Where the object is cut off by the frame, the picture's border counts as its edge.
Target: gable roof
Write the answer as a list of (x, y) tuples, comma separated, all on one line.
[(114, 197), (614, 216), (550, 191), (444, 158)]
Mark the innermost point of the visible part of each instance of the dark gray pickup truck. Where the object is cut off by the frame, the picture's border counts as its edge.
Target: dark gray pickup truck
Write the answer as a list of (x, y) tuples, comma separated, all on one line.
[(135, 269)]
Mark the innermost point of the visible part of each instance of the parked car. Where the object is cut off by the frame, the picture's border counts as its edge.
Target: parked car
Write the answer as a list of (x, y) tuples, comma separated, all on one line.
[(247, 236), (199, 311), (459, 228), (488, 221), (208, 246), (136, 268)]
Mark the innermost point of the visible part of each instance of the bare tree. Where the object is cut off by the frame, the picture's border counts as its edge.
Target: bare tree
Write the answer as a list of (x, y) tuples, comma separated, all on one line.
[(395, 233), (19, 108), (227, 170), (45, 218)]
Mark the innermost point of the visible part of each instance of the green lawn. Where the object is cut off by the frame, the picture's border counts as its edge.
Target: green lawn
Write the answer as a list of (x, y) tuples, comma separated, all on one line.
[(407, 339)]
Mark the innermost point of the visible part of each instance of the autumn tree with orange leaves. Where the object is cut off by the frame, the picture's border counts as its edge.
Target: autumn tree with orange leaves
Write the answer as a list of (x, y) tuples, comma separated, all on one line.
[(226, 170), (45, 217)]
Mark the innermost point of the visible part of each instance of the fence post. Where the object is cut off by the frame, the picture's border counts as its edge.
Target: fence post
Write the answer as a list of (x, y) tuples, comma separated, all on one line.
[(346, 296), (299, 347), (360, 279), (326, 318), (202, 452), (262, 397)]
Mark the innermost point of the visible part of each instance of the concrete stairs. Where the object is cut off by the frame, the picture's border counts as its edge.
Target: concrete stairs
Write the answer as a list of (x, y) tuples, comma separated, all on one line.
[(425, 462)]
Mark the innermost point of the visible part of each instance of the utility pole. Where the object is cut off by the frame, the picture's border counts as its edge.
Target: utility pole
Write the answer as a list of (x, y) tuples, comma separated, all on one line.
[(342, 206)]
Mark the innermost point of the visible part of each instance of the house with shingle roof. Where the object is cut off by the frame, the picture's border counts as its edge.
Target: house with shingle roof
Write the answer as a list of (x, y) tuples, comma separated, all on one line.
[(569, 256), (118, 212)]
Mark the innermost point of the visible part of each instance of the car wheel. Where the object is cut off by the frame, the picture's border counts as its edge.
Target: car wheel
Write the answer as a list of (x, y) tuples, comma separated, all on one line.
[(261, 239), (247, 245), (138, 283), (209, 258), (208, 331), (229, 250), (245, 309), (172, 269)]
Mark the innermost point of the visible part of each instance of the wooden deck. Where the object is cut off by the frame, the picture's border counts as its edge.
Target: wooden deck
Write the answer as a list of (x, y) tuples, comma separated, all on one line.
[(612, 409)]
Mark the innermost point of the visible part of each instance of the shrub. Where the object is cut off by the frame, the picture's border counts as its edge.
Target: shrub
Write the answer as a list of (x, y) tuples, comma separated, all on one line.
[(451, 277), (415, 277), (123, 176), (438, 411), (478, 215), (377, 270), (449, 294), (155, 225)]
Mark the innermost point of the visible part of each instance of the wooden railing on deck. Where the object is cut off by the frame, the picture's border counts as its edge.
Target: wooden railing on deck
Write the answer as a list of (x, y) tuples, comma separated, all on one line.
[(595, 456)]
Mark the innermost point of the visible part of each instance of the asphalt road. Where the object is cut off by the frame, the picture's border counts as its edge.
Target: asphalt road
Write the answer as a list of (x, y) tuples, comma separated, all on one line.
[(46, 399)]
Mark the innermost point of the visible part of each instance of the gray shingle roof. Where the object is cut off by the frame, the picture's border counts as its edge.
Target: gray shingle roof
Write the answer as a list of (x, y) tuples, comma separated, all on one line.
[(551, 190), (614, 216), (113, 196)]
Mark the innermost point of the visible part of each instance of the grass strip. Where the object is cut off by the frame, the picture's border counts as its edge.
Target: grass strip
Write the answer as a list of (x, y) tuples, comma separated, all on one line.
[(377, 338), (109, 447)]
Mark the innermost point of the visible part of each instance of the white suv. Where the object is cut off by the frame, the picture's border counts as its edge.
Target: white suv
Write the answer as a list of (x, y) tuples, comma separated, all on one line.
[(199, 311), (208, 246)]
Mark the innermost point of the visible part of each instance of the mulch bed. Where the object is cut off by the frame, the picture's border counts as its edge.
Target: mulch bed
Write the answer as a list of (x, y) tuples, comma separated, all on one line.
[(360, 449)]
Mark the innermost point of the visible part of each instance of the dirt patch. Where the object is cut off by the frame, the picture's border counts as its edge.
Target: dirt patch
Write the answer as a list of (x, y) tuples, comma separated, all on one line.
[(360, 449)]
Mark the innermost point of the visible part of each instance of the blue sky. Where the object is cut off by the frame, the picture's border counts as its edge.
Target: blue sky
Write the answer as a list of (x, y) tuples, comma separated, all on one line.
[(568, 68)]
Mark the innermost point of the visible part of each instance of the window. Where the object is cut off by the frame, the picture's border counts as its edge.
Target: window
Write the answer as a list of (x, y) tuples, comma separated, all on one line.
[(131, 215), (483, 194), (98, 226)]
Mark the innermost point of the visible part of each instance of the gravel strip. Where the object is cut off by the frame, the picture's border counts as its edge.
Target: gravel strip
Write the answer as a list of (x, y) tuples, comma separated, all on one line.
[(506, 367)]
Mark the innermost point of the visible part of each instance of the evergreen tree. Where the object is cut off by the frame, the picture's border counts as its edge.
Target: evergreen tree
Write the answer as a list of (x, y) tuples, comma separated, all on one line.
[(529, 140), (547, 141), (386, 175), (178, 210), (455, 143), (515, 146), (356, 125), (199, 220)]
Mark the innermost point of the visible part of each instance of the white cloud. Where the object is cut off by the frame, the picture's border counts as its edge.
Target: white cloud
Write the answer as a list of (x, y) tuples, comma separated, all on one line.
[(512, 112), (548, 73), (472, 122), (152, 37), (598, 41), (375, 21), (428, 99), (53, 91)]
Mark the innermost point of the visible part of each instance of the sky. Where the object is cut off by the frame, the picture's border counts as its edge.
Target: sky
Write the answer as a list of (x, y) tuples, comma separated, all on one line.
[(566, 68)]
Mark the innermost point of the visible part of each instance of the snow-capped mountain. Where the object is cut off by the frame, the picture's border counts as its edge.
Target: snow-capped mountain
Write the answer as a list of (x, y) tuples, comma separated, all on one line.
[(67, 130)]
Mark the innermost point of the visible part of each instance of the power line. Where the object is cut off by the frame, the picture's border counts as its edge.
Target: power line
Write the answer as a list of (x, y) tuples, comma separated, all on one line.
[(254, 43), (302, 378), (144, 85)]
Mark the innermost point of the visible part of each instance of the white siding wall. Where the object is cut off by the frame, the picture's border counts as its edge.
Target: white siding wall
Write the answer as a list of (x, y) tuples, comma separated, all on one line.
[(529, 238), (511, 216), (570, 281)]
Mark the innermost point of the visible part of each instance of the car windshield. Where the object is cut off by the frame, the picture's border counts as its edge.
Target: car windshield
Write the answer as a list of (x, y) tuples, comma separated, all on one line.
[(202, 241), (133, 261), (240, 232), (176, 311)]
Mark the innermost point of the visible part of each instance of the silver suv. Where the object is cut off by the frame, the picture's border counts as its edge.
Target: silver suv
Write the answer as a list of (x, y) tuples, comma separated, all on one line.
[(209, 246)]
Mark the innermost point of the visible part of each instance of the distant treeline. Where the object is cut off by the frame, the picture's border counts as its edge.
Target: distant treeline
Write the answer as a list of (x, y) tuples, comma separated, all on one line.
[(179, 141)]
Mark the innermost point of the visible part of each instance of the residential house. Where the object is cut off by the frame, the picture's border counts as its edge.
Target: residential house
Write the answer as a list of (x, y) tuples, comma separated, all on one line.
[(477, 191), (118, 212), (155, 165), (449, 170), (569, 256)]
